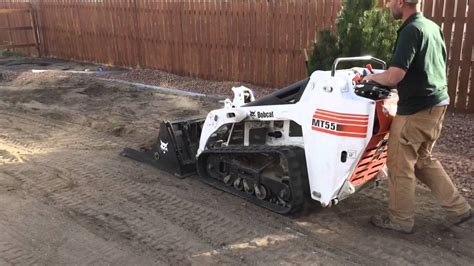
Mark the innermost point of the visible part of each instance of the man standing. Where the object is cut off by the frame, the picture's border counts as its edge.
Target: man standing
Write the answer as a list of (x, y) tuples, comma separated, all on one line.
[(418, 69)]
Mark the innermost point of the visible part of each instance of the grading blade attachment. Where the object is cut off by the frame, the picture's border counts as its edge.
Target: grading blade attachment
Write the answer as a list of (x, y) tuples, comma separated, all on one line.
[(175, 149)]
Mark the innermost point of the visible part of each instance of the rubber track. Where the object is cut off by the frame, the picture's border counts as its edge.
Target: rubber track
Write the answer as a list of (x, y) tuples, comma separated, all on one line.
[(296, 166)]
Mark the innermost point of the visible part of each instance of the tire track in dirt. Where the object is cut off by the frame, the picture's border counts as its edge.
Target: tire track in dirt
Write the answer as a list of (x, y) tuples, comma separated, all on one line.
[(65, 135), (14, 151), (59, 242), (204, 224), (46, 179), (15, 255), (350, 222), (133, 224), (50, 179), (346, 228), (110, 213), (175, 210), (429, 215), (7, 157), (201, 222), (23, 147)]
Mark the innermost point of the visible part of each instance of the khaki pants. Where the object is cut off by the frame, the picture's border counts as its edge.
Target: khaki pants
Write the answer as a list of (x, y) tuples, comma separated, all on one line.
[(411, 141)]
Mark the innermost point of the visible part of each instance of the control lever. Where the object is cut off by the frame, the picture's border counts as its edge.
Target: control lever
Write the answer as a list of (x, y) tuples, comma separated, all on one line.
[(372, 90), (369, 67)]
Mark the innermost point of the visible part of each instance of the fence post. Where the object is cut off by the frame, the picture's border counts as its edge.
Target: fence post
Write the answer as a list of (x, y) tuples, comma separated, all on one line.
[(35, 28)]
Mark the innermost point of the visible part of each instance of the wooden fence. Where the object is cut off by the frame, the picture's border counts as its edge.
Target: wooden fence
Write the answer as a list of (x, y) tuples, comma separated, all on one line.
[(32, 28), (16, 27), (256, 41)]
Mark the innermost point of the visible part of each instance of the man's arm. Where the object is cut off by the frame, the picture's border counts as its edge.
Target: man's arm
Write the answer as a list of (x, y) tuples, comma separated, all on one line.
[(406, 48), (389, 78)]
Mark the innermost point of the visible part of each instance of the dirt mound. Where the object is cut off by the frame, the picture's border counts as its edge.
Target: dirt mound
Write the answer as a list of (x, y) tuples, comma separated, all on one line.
[(8, 76), (113, 108), (167, 80)]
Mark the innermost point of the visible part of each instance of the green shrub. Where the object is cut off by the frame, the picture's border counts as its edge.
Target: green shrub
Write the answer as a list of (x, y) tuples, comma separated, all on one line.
[(327, 45), (362, 29), (7, 53)]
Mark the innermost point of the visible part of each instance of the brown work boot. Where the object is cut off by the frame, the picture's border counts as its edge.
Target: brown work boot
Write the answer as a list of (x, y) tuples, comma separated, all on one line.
[(383, 221), (451, 221)]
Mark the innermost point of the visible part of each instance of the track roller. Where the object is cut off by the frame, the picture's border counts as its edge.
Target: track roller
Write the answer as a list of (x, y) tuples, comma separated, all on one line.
[(269, 176)]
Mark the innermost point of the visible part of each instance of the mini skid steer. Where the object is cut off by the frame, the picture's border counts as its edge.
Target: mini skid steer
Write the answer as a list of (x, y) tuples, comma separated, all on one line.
[(324, 137)]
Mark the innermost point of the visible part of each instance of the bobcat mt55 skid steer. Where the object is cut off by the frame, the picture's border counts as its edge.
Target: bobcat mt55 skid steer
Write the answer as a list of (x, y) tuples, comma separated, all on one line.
[(324, 137)]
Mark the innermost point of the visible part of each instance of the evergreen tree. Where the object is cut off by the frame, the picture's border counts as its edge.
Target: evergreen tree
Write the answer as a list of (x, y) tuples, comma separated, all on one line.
[(324, 51), (379, 33), (350, 25), (362, 29)]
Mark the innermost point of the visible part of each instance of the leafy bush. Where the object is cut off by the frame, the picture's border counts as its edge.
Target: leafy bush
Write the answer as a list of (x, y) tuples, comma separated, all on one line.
[(7, 53), (362, 29), (324, 51)]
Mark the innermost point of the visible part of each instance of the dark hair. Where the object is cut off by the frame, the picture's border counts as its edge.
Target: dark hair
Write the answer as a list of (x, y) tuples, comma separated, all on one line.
[(411, 4)]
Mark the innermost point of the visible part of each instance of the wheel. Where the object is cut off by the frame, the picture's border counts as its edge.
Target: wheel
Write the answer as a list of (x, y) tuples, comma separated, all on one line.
[(227, 180), (285, 194), (260, 192), (238, 184), (248, 188)]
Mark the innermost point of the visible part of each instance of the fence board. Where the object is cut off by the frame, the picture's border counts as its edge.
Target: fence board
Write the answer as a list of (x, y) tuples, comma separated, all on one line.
[(17, 45), (10, 35), (210, 39), (247, 30), (266, 44), (206, 66), (280, 42), (214, 41), (223, 40), (470, 107), (253, 46), (448, 24), (292, 36), (466, 63), (456, 50), (439, 12), (239, 56), (16, 28), (184, 20), (320, 15), (193, 40), (13, 10), (428, 9)]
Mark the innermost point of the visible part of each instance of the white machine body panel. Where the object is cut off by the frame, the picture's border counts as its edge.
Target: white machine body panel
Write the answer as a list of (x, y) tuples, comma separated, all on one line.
[(336, 126)]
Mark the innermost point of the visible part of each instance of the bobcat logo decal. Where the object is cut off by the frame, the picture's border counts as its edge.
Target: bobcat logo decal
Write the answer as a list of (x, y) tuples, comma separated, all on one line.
[(163, 147)]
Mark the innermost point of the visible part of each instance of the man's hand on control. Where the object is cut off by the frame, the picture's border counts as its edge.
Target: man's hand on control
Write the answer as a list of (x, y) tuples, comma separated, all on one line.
[(389, 78), (366, 79)]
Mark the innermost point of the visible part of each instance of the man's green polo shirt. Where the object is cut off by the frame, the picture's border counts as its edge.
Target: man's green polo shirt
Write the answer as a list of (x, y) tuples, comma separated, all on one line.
[(421, 51)]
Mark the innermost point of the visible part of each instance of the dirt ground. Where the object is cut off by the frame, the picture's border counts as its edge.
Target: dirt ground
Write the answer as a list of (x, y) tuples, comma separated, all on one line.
[(67, 197)]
